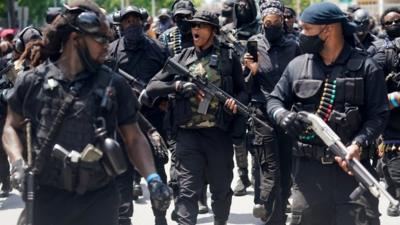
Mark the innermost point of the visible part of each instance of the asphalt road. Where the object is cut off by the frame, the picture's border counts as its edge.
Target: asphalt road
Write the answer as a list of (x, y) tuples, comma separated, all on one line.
[(241, 211)]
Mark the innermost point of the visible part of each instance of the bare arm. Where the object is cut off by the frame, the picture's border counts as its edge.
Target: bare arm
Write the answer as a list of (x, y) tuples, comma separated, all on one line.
[(11, 142), (138, 149)]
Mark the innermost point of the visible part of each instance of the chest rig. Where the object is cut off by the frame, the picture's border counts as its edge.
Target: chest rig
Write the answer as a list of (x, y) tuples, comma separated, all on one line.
[(335, 97), (206, 68), (76, 133)]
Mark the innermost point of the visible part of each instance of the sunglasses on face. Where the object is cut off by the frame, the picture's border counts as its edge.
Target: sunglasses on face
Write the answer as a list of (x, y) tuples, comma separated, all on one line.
[(288, 17), (101, 39), (183, 17), (393, 22), (198, 25)]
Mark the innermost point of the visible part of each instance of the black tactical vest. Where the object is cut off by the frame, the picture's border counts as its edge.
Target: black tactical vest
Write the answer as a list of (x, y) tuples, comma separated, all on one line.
[(340, 109), (77, 130)]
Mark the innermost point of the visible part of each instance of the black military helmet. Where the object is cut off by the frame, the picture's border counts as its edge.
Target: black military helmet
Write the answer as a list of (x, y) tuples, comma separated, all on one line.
[(205, 17), (361, 18), (119, 16), (183, 7)]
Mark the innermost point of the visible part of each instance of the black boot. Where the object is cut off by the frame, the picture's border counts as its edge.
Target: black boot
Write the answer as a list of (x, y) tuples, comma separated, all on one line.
[(217, 222), (203, 208), (243, 183), (5, 188)]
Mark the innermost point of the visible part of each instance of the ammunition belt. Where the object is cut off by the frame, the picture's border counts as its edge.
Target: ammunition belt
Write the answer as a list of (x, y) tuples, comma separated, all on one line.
[(325, 107), (176, 42), (390, 146)]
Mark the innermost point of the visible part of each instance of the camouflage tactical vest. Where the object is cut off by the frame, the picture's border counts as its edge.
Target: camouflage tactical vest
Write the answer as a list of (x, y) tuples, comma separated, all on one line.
[(202, 69)]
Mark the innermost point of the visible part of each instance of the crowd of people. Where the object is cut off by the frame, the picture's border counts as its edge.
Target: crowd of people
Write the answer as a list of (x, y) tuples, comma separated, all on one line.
[(94, 101)]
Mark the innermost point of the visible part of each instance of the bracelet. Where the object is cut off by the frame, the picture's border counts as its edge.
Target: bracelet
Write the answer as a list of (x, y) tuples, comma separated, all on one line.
[(153, 176), (393, 100)]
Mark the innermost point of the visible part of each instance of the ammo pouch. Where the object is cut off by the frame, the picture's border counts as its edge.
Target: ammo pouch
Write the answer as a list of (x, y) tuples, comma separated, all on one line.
[(350, 91), (73, 177), (346, 124)]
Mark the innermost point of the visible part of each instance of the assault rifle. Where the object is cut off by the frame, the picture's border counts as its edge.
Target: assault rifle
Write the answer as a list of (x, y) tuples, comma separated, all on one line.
[(139, 87), (136, 84), (210, 90), (233, 42), (365, 179), (29, 178)]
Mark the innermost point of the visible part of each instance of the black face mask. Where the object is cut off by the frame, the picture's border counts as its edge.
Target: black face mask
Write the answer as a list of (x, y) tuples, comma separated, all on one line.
[(311, 44), (183, 26), (244, 14), (133, 36), (88, 62), (273, 33), (393, 31)]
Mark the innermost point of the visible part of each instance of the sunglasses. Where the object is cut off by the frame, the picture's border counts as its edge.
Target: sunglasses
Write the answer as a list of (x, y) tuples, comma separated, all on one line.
[(198, 25), (288, 16), (393, 22), (101, 39)]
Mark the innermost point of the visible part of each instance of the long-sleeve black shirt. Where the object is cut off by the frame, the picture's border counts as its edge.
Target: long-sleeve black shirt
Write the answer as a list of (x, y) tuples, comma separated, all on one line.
[(374, 110)]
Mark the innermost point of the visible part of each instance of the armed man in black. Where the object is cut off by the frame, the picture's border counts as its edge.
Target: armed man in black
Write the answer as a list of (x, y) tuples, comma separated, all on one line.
[(179, 37), (203, 140), (141, 57), (347, 90), (75, 105), (274, 155), (389, 58), (245, 24)]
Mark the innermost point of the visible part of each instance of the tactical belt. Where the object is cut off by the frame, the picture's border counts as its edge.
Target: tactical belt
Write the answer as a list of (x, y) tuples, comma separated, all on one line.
[(390, 148), (314, 152)]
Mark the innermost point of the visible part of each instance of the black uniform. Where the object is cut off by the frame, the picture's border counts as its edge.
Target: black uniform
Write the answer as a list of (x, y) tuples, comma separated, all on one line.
[(142, 61), (195, 133), (360, 98), (273, 59), (37, 96), (237, 34), (388, 58)]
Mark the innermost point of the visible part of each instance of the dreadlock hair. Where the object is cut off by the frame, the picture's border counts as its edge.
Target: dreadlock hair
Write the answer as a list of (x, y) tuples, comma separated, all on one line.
[(57, 33)]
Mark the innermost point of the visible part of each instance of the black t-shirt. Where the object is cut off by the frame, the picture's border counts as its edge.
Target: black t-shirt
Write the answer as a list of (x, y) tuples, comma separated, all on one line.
[(26, 98)]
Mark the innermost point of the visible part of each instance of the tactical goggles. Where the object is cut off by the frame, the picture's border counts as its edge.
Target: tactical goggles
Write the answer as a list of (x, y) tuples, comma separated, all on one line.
[(88, 22)]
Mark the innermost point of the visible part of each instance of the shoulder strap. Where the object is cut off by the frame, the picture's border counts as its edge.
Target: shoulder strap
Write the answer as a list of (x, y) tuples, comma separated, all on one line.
[(45, 149)]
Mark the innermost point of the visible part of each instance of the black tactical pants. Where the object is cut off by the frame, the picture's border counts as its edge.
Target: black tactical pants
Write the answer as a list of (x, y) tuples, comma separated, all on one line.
[(321, 195), (55, 206), (124, 182), (391, 170), (4, 170), (199, 150), (267, 186)]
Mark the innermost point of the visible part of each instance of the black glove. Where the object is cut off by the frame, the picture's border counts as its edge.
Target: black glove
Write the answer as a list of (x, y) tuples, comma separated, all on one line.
[(187, 89), (160, 195), (291, 123), (17, 174)]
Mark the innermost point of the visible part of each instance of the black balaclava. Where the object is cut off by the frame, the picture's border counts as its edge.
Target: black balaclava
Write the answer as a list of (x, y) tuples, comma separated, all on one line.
[(133, 36), (244, 12)]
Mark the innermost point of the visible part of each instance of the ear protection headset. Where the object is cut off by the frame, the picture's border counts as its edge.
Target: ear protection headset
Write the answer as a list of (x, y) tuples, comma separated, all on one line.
[(20, 43)]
